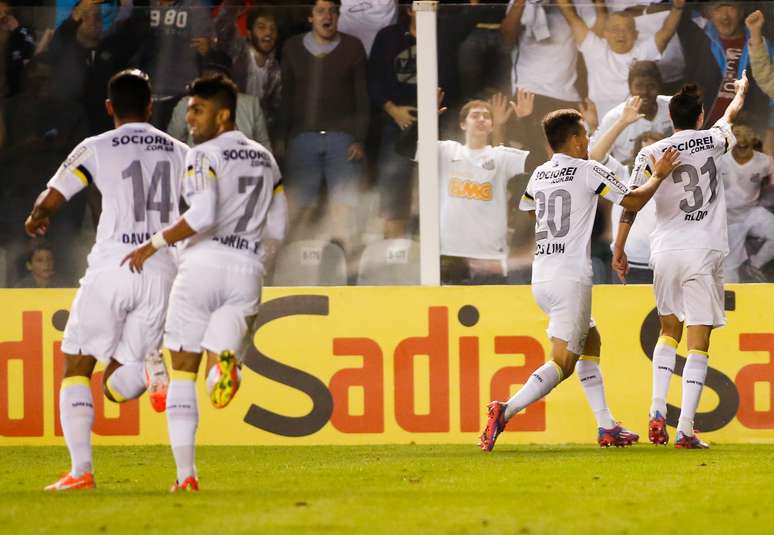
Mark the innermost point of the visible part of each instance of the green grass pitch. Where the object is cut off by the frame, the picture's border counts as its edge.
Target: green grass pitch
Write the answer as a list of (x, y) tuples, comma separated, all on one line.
[(399, 490)]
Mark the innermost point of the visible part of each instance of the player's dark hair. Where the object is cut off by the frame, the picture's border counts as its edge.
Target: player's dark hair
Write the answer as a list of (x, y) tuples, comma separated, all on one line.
[(645, 69), (685, 107), (129, 92), (217, 88), (559, 125)]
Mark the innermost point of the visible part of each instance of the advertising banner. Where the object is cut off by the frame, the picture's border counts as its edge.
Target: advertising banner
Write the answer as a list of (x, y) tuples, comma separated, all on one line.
[(356, 365)]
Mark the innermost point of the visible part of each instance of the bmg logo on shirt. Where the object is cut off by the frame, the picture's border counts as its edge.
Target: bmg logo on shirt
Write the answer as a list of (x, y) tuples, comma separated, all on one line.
[(468, 189)]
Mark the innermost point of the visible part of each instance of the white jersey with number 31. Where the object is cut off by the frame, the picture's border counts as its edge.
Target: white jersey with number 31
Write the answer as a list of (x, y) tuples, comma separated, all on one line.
[(138, 170), (237, 178), (563, 192), (690, 203)]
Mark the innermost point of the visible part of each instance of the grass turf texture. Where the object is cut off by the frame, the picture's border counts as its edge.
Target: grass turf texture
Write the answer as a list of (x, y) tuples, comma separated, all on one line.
[(399, 489)]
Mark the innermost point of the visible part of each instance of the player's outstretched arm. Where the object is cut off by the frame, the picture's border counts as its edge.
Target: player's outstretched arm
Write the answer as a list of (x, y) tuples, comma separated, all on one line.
[(163, 238), (636, 199), (48, 202), (742, 86), (620, 262)]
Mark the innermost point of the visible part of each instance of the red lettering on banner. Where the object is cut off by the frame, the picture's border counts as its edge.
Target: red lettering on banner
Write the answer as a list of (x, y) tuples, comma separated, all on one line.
[(755, 373), (370, 377), (128, 421), (470, 406), (30, 351), (533, 418), (436, 346)]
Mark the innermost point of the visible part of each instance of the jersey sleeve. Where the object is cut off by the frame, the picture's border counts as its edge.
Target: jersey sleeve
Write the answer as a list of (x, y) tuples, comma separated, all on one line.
[(527, 201), (513, 160), (604, 183), (200, 190), (76, 172), (723, 136)]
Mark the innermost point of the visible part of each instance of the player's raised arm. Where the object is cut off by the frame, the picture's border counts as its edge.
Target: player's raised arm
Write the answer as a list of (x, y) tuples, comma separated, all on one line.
[(637, 198), (741, 86)]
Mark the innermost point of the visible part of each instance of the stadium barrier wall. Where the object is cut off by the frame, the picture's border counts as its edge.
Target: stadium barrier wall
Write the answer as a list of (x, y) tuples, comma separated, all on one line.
[(404, 364)]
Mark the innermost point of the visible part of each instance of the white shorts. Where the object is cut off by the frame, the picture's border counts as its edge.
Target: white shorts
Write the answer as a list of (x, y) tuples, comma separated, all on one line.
[(117, 314), (211, 308), (568, 305), (689, 285), (757, 223)]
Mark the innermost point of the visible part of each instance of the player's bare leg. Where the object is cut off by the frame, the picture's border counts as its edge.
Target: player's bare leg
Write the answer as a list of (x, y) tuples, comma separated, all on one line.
[(223, 377), (694, 374), (609, 432), (76, 411), (664, 356), (183, 417), (540, 383)]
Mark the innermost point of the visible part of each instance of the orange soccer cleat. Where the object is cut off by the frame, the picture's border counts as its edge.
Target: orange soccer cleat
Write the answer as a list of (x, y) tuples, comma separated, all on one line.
[(156, 380), (69, 482), (189, 484)]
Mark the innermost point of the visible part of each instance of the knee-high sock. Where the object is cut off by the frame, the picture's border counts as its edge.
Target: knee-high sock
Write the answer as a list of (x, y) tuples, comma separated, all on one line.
[(182, 421), (590, 377), (694, 374), (540, 383), (127, 382), (663, 368), (76, 413)]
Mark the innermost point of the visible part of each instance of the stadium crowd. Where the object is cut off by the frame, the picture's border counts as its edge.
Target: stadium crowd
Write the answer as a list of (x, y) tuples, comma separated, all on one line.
[(330, 88)]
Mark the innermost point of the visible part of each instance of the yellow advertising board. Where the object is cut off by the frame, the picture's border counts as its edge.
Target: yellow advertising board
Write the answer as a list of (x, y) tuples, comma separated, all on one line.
[(404, 364)]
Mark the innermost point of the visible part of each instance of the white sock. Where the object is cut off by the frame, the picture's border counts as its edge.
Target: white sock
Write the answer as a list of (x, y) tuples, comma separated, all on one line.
[(694, 373), (182, 420), (76, 413), (590, 377), (127, 382), (540, 383), (663, 368)]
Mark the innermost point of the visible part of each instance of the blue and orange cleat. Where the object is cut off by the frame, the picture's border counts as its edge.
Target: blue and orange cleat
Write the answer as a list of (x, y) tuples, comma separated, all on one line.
[(227, 383), (495, 425), (189, 484), (657, 429), (617, 436), (70, 482), (692, 442)]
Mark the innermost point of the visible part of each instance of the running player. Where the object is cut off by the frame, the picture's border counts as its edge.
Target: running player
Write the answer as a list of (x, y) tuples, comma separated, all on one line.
[(117, 317), (236, 201), (563, 193), (687, 250)]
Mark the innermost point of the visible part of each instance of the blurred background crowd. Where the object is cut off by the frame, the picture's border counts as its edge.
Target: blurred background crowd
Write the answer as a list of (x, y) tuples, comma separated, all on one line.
[(330, 88)]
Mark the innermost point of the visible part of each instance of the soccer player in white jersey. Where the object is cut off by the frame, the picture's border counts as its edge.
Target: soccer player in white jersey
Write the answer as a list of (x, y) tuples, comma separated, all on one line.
[(745, 172), (117, 317), (563, 193), (234, 190), (687, 249)]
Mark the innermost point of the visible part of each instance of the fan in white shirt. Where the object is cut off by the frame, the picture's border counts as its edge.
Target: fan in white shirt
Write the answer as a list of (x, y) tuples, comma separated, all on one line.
[(687, 250), (745, 172), (608, 60), (563, 193)]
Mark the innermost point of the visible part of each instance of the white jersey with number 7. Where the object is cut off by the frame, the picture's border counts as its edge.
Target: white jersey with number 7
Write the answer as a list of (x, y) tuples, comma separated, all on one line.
[(690, 203)]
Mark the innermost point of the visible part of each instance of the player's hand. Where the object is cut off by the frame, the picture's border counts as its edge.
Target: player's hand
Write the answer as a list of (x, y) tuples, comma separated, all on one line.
[(666, 163), (525, 103), (742, 85), (138, 257), (440, 95), (631, 110), (589, 111), (754, 21), (355, 152), (36, 227), (620, 264), (404, 116)]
